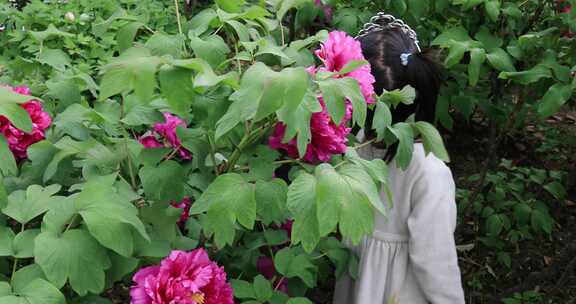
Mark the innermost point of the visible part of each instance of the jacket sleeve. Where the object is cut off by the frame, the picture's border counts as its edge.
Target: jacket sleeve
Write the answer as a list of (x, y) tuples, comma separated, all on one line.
[(431, 225)]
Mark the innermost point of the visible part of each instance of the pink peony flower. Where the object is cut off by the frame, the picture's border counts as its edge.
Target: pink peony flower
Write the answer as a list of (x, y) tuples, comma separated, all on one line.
[(18, 140), (287, 226), (327, 137), (185, 205), (182, 278), (339, 50), (167, 131)]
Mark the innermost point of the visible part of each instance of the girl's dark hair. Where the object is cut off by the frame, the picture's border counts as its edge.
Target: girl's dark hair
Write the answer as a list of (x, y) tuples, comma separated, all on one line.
[(383, 50)]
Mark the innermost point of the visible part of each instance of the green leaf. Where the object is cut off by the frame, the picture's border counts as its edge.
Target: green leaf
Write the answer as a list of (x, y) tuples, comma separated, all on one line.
[(447, 37), (213, 49), (23, 206), (263, 92), (230, 6), (55, 58), (242, 289), (164, 182), (492, 9), (302, 204), (500, 60), (419, 8), (16, 115), (228, 199), (457, 50), (201, 21), (6, 237), (336, 91), (286, 5), (262, 288), (126, 35), (382, 119), (36, 292), (109, 218), (406, 96), (556, 96), (297, 121), (405, 136), (271, 201), (291, 265), (556, 189), (23, 243), (494, 224), (177, 87), (134, 70), (51, 31), (477, 58), (541, 221), (7, 162), (529, 76), (73, 256), (25, 275), (432, 140)]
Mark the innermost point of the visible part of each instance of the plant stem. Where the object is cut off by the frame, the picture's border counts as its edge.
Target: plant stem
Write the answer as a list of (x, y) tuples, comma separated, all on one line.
[(212, 152), (364, 144), (15, 264), (178, 16)]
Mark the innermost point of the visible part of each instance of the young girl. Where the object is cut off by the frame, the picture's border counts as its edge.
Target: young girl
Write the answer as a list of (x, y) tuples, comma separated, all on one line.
[(411, 257)]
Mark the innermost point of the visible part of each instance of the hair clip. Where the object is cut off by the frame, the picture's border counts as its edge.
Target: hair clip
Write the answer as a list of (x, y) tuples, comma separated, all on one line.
[(384, 22), (404, 58)]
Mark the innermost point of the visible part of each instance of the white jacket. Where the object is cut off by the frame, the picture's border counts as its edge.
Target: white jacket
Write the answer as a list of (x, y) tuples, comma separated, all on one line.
[(411, 257)]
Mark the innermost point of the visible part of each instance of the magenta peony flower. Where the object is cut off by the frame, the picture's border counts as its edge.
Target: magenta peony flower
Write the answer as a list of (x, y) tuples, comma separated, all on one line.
[(339, 50), (327, 137), (182, 278), (185, 205), (18, 140), (167, 131)]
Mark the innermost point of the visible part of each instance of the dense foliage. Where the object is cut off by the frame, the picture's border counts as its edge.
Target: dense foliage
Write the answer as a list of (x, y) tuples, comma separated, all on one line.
[(167, 126)]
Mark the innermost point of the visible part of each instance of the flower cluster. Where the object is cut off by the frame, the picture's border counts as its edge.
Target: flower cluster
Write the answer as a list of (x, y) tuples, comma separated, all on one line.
[(167, 132), (329, 138), (18, 140), (183, 278)]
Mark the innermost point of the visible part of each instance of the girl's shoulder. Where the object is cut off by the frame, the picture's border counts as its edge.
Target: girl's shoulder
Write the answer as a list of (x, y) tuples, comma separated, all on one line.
[(427, 164)]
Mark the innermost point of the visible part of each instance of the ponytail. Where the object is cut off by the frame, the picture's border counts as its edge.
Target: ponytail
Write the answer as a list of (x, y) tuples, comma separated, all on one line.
[(424, 74)]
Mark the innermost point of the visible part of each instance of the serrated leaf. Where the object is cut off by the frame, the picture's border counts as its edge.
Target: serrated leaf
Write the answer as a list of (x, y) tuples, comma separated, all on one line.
[(405, 136), (229, 199), (291, 265), (24, 206), (262, 288), (406, 96), (302, 205), (432, 140), (271, 201), (23, 244), (74, 256), (164, 182), (335, 92), (109, 218)]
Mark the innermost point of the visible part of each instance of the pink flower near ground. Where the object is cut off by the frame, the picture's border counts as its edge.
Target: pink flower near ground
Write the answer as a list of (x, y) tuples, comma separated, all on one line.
[(185, 205), (167, 132), (18, 140), (327, 137), (341, 49), (182, 278)]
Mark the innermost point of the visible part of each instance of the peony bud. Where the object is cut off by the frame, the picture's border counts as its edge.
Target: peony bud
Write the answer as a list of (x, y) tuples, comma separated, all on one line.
[(70, 16)]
